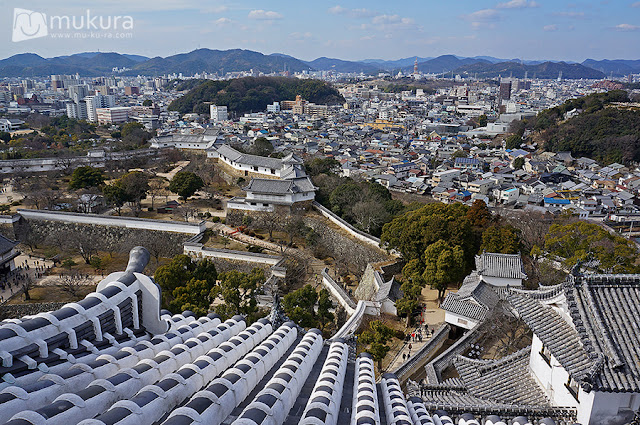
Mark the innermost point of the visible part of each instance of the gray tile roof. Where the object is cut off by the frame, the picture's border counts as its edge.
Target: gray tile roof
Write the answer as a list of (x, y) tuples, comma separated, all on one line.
[(606, 312), (474, 299), (500, 265), (6, 244), (556, 333), (251, 160), (280, 187), (506, 380)]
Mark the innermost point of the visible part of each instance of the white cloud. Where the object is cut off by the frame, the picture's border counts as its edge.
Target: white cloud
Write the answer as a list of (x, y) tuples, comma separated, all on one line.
[(552, 27), (300, 36), (627, 27), (483, 18), (264, 14), (352, 13), (391, 19), (517, 4), (223, 21)]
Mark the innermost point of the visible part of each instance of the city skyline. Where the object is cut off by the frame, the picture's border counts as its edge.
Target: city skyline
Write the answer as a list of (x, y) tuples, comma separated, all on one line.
[(353, 30)]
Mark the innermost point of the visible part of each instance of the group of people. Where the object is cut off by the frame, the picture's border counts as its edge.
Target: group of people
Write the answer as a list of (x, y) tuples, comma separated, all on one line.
[(416, 336), (12, 280)]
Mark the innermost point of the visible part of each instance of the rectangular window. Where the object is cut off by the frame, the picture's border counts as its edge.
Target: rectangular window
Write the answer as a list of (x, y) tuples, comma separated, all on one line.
[(255, 168), (545, 353), (273, 171), (463, 322), (573, 387)]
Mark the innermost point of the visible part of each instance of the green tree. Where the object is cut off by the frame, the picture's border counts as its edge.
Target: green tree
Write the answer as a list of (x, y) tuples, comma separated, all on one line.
[(135, 185), (518, 163), (482, 120), (85, 177), (443, 266), (412, 232), (147, 102), (308, 308), (501, 239), (5, 136), (262, 147), (193, 296), (238, 292), (323, 165), (411, 292), (115, 195), (582, 240), (182, 279), (514, 141), (185, 184), (377, 337)]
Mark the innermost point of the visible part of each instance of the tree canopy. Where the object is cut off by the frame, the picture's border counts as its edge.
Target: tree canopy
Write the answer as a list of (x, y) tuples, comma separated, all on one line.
[(238, 292), (186, 284), (85, 177), (377, 337), (185, 184), (131, 188), (309, 308), (252, 94), (582, 240)]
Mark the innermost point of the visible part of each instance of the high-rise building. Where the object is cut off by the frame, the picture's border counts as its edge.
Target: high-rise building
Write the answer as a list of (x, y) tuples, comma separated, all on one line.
[(130, 91), (77, 110), (78, 92), (218, 113), (98, 101), (505, 90)]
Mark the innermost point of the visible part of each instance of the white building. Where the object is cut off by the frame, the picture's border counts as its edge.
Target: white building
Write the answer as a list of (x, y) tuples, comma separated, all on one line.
[(245, 164), (116, 115), (274, 108), (98, 101), (218, 113), (77, 110), (267, 194)]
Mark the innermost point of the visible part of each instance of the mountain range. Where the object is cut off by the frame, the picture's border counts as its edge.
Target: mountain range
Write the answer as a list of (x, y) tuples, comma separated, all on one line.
[(92, 64)]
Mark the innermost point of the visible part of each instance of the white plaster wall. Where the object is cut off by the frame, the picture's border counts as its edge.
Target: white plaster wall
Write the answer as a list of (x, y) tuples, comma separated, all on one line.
[(200, 251), (129, 222), (552, 379), (602, 408), (455, 319), (501, 281)]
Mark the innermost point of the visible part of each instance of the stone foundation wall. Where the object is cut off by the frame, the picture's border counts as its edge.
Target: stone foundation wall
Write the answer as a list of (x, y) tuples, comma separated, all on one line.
[(13, 311)]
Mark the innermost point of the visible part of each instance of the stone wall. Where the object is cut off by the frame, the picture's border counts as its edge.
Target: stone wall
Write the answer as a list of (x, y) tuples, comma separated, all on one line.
[(344, 247), (106, 238), (13, 311)]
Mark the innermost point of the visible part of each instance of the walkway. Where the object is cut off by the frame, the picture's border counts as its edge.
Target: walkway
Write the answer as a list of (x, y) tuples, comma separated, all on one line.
[(27, 266)]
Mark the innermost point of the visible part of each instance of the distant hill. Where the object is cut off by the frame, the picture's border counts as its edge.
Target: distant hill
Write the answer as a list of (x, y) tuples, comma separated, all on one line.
[(94, 63), (548, 70), (606, 134), (444, 63), (394, 65), (619, 67), (251, 94), (218, 61), (329, 64)]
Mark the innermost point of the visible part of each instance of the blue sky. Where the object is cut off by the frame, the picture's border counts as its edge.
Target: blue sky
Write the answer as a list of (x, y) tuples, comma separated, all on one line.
[(352, 30)]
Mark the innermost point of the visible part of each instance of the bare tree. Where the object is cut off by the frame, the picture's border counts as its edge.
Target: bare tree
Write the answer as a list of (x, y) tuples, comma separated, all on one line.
[(72, 282), (26, 284), (156, 243), (269, 221), (369, 215), (185, 211), (508, 331), (81, 242), (157, 188)]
